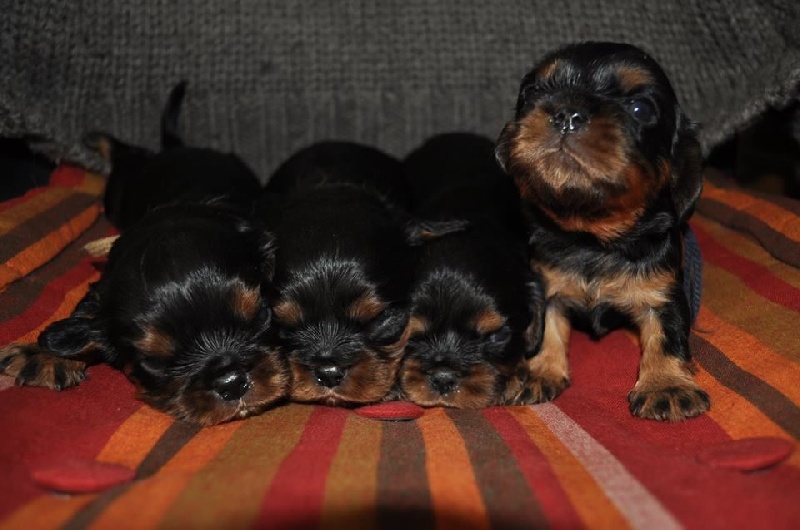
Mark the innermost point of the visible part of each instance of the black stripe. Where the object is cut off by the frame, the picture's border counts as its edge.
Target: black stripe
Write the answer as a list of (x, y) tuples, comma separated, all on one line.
[(777, 407)]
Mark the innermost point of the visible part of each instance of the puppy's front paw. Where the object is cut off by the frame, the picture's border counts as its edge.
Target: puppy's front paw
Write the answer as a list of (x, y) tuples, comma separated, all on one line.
[(671, 403), (541, 388), (31, 366)]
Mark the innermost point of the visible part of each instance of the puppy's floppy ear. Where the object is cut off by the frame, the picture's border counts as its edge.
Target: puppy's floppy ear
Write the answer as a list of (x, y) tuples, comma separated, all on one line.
[(388, 327), (534, 333), (504, 143), (687, 168)]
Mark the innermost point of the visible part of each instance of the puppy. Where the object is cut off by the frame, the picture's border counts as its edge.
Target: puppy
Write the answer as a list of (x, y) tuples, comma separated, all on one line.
[(609, 169), (343, 269), (477, 307), (141, 180), (182, 306)]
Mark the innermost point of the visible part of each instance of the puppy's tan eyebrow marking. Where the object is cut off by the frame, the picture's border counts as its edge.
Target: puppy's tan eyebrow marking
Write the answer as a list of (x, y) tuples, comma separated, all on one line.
[(546, 71), (155, 342), (632, 77), (246, 301), (288, 312), (366, 307), (488, 321)]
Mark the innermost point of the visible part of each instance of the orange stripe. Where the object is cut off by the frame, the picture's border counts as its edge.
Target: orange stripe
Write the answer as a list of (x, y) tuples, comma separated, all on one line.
[(751, 355), (737, 416), (133, 440), (71, 299), (777, 218), (450, 474), (590, 501), (747, 248), (352, 483), (32, 207), (144, 505), (46, 248), (242, 470), (773, 324), (128, 446)]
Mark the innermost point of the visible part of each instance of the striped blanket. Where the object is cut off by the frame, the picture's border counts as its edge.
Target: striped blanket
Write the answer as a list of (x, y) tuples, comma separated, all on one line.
[(581, 461)]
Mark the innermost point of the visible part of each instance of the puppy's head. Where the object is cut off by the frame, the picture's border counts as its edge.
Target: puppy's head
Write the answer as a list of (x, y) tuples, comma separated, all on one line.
[(185, 306), (343, 339), (598, 137), (464, 350)]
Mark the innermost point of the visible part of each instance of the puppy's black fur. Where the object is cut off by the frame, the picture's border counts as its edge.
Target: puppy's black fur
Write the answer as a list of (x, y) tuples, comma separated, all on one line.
[(343, 269), (609, 168), (141, 180), (182, 306), (477, 307)]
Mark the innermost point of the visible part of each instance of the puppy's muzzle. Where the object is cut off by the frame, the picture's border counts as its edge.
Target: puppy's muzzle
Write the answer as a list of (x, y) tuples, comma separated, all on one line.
[(443, 380), (330, 376), (568, 120), (232, 385)]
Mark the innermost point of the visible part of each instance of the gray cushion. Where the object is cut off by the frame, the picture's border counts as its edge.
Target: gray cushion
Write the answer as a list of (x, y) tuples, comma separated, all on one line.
[(269, 76)]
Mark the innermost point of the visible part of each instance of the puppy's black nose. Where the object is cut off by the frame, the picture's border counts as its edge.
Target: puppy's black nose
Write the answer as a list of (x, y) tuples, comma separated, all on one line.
[(232, 385), (444, 380), (568, 120), (330, 375)]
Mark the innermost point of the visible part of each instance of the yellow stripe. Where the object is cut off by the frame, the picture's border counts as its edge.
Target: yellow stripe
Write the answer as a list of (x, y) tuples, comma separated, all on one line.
[(352, 483)]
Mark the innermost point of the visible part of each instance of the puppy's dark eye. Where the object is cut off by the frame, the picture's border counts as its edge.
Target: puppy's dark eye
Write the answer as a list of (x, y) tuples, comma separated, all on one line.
[(642, 110), (500, 336)]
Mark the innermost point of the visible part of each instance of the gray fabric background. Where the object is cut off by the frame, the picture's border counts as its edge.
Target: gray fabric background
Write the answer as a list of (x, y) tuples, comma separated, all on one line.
[(269, 76)]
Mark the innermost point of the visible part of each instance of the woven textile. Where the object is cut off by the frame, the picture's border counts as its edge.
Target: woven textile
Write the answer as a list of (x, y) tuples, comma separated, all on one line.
[(580, 461), (269, 76)]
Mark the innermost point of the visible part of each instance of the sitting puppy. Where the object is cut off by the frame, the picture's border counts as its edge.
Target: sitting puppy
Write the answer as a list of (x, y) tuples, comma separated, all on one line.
[(477, 309), (343, 270), (609, 168), (141, 180), (182, 306)]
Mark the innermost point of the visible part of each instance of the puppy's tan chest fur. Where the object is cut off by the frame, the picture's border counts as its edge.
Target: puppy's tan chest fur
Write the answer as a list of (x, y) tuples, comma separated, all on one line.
[(628, 292)]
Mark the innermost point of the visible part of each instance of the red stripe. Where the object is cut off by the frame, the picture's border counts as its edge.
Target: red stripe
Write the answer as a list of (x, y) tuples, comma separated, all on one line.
[(757, 277), (294, 499), (41, 426), (662, 455), (51, 297), (69, 176), (535, 468), (6, 205)]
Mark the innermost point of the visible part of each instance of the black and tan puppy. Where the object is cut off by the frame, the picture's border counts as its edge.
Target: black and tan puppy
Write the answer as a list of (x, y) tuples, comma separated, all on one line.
[(477, 308), (609, 168), (182, 306), (141, 179), (342, 270)]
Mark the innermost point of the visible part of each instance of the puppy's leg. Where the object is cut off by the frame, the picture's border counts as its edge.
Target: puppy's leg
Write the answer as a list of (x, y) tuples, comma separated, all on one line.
[(57, 360), (665, 389), (549, 369)]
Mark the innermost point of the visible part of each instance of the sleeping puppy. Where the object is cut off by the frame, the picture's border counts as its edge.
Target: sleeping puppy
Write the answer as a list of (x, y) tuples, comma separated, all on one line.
[(182, 307), (342, 270), (141, 180), (609, 169), (477, 308)]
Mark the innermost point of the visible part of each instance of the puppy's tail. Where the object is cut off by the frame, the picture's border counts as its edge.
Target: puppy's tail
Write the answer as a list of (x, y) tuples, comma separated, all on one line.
[(169, 118)]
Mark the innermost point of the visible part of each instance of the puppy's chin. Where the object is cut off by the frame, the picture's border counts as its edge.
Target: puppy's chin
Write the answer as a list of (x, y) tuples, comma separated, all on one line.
[(481, 387), (592, 180), (367, 381), (189, 400)]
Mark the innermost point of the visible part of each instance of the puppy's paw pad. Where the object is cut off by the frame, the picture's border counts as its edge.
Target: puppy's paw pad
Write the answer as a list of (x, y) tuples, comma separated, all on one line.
[(672, 403), (540, 389), (30, 366)]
